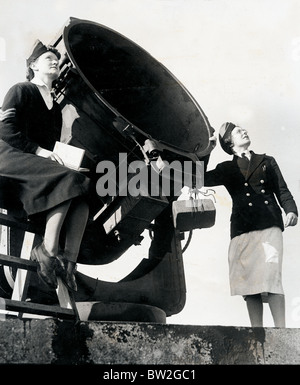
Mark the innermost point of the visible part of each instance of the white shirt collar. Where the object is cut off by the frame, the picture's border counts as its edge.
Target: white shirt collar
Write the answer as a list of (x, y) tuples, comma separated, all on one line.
[(247, 153), (44, 90), (38, 82)]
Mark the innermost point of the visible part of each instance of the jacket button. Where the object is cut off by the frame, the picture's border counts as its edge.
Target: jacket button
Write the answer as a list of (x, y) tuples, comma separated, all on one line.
[(246, 184), (263, 191), (262, 181), (266, 202), (248, 194), (250, 204)]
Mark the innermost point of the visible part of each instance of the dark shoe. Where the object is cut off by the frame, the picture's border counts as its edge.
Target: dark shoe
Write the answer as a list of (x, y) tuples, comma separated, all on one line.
[(61, 266), (46, 265), (66, 269)]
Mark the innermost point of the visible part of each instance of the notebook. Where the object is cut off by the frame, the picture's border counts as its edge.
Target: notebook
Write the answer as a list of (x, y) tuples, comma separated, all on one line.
[(70, 155)]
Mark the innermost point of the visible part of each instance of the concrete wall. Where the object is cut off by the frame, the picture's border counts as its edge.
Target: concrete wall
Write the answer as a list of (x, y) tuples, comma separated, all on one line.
[(51, 341)]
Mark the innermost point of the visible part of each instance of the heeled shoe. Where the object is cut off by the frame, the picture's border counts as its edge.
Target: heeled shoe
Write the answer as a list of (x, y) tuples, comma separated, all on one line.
[(46, 265), (70, 279), (66, 270)]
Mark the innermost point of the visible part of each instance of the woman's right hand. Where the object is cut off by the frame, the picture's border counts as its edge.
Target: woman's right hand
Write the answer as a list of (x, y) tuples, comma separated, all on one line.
[(56, 158), (213, 141), (48, 154), (291, 219)]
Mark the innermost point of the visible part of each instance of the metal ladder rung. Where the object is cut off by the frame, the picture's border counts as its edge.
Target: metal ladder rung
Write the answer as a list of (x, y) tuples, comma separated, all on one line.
[(18, 304), (66, 300), (34, 308), (10, 221), (24, 307), (19, 263)]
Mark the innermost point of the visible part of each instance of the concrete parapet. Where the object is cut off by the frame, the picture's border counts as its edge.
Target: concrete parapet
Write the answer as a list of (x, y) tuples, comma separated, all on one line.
[(52, 341)]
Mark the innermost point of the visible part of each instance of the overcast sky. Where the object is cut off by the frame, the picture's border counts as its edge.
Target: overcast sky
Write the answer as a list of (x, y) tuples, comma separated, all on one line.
[(240, 59)]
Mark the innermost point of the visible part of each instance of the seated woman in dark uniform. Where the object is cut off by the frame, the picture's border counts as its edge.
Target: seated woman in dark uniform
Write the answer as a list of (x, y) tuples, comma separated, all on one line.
[(30, 123)]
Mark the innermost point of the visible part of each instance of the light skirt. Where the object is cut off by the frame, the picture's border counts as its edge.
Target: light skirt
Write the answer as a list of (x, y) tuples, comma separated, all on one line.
[(255, 262)]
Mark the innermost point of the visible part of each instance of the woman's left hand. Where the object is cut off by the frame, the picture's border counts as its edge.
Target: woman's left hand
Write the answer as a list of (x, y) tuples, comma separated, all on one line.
[(291, 219)]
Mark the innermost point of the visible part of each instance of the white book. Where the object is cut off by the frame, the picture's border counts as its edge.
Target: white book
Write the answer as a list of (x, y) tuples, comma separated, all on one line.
[(70, 155)]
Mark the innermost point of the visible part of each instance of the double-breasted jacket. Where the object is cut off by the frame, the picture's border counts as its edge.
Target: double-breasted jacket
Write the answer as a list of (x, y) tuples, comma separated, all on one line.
[(258, 191)]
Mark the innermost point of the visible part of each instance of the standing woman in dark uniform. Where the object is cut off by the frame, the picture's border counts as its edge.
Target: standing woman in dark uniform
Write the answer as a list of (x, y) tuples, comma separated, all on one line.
[(30, 123), (255, 184)]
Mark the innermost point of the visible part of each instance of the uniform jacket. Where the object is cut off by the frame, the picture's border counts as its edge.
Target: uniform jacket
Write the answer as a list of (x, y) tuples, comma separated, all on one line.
[(26, 122), (257, 191)]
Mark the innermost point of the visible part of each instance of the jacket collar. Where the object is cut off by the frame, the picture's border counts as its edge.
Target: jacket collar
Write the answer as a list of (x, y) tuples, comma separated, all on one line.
[(255, 161)]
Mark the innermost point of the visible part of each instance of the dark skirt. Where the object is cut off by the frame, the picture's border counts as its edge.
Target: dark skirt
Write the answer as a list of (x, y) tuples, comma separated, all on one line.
[(39, 183)]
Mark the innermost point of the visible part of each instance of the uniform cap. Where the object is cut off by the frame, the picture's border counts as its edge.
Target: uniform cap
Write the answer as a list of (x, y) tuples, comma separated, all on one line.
[(38, 49), (224, 136)]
